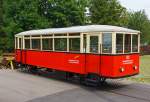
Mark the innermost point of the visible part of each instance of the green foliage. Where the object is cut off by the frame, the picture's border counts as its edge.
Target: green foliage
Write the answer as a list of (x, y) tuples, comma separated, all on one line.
[(108, 12), (63, 13), (21, 15), (139, 21), (1, 18)]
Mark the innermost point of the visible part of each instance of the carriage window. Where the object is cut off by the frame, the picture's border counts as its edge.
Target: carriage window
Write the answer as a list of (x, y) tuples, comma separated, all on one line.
[(127, 48), (47, 44), (74, 34), (27, 43), (134, 43), (48, 35), (16, 42), (60, 34), (107, 43), (20, 43), (94, 44), (74, 44), (36, 44), (119, 43), (61, 44), (84, 43)]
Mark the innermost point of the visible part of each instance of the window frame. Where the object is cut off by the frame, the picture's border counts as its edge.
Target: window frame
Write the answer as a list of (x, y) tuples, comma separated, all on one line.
[(17, 42), (138, 42), (122, 42), (88, 42), (36, 37), (113, 39), (77, 35), (138, 34)]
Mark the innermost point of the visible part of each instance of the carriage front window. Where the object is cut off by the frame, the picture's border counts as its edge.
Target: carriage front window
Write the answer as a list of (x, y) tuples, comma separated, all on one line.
[(134, 43), (119, 43), (60, 44), (74, 44), (107, 42), (127, 45)]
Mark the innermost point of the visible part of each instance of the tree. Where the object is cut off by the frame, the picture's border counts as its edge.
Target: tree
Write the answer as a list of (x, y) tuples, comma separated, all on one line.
[(108, 12), (22, 15), (139, 21), (1, 16), (63, 13)]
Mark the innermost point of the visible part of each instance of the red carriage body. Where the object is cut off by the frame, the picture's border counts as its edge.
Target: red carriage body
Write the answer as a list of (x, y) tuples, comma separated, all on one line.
[(92, 54)]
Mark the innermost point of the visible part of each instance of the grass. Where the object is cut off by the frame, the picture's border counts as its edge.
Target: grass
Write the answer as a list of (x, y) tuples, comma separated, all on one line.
[(144, 75)]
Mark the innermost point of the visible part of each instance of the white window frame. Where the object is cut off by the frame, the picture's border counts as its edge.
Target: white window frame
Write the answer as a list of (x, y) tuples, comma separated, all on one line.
[(113, 43), (88, 41), (47, 37), (32, 37), (131, 42), (18, 42), (99, 34), (123, 34)]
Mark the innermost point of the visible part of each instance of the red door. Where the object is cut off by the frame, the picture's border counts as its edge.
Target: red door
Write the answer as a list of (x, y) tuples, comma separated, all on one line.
[(93, 56)]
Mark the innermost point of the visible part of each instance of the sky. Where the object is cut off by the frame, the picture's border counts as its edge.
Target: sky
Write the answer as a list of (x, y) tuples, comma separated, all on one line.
[(136, 5)]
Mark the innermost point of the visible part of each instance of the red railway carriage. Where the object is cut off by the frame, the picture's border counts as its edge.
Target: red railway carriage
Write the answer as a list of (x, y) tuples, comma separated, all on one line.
[(101, 50)]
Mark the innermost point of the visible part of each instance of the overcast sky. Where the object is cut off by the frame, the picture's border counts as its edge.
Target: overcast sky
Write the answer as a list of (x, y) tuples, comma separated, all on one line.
[(135, 5)]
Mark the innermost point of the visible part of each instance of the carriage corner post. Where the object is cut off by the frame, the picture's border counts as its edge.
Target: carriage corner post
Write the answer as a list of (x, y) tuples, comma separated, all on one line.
[(100, 51)]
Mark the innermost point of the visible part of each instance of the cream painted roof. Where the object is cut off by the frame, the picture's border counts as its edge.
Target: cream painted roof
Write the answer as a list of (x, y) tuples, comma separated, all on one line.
[(78, 29)]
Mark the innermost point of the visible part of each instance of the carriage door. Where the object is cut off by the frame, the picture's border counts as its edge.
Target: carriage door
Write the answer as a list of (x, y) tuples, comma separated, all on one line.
[(93, 49)]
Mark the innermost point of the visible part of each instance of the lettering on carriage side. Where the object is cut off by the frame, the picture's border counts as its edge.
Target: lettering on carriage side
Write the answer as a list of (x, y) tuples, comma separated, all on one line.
[(128, 60), (74, 60)]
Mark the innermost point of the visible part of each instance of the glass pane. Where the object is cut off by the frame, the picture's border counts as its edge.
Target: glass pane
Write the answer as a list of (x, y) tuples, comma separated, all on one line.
[(94, 44), (35, 35), (36, 44), (127, 43), (47, 44), (84, 43), (60, 34), (119, 43), (134, 43), (107, 43), (27, 43), (47, 35), (74, 34), (74, 44), (60, 44), (16, 43), (20, 43)]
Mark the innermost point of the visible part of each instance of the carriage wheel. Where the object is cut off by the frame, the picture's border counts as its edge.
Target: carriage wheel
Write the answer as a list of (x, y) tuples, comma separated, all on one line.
[(102, 80)]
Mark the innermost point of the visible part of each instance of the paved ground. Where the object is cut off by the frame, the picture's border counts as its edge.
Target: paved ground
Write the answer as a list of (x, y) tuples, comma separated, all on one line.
[(17, 86)]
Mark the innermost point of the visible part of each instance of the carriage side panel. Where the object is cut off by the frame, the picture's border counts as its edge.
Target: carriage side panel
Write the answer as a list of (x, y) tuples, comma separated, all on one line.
[(55, 60)]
